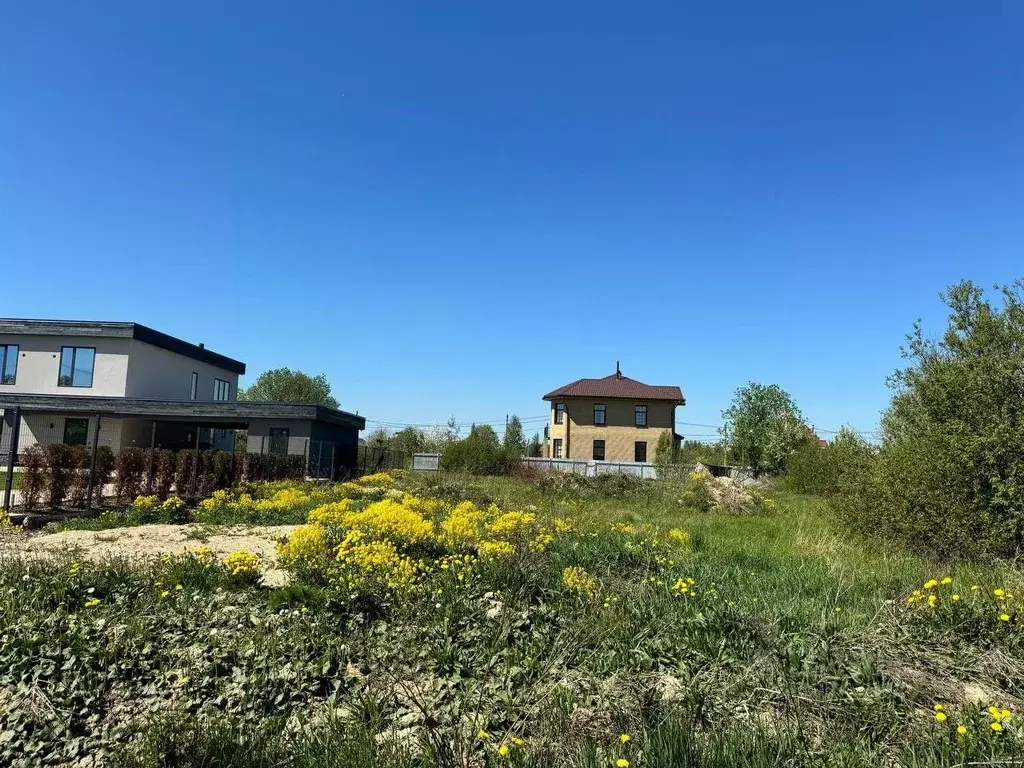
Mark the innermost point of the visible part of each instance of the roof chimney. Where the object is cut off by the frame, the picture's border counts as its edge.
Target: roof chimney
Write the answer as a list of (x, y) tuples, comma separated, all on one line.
[(618, 372), (201, 345)]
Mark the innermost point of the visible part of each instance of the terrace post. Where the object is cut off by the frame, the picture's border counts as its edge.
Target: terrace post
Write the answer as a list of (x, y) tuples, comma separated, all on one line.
[(92, 464), (152, 450), (15, 428)]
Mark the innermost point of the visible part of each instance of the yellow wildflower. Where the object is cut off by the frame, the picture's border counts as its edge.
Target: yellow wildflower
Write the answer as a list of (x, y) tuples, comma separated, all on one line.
[(624, 738), (938, 707), (931, 601), (956, 597), (243, 565), (961, 730), (483, 735), (940, 716), (93, 602), (622, 763), (1004, 617), (503, 750), (931, 584), (946, 580), (998, 592), (578, 580), (679, 537), (996, 726), (493, 550)]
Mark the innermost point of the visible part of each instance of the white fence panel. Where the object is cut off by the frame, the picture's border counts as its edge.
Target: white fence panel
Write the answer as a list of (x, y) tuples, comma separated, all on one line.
[(643, 470), (428, 462)]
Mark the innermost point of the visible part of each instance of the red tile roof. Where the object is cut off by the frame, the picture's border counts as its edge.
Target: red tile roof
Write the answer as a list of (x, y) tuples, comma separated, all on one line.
[(617, 386)]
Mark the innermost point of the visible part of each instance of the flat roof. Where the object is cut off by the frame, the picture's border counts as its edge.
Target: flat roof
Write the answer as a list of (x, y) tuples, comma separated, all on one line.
[(30, 327), (179, 410)]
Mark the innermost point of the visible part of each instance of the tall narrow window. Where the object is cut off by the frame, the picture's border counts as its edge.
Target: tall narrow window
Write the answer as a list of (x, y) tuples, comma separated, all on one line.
[(556, 448), (279, 440), (8, 363), (599, 450), (600, 413), (221, 389), (76, 366), (640, 412), (559, 413), (194, 389), (639, 451)]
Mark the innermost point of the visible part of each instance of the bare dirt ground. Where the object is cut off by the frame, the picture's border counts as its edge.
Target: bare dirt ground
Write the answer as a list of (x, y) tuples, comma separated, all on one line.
[(152, 540)]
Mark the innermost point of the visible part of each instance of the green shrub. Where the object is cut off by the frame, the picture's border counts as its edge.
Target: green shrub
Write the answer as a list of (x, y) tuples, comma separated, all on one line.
[(184, 467), (697, 493), (948, 479), (80, 476), (59, 469), (131, 468), (827, 471), (103, 470), (479, 453), (33, 466), (163, 473)]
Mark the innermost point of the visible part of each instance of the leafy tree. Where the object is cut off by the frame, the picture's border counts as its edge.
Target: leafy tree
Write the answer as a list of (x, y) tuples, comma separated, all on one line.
[(282, 385), (379, 438), (409, 440), (514, 442), (480, 453), (534, 448), (451, 432), (949, 478), (764, 427)]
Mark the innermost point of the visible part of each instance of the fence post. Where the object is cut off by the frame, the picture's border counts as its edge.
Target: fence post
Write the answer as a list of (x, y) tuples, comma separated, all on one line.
[(319, 456), (15, 433), (330, 471), (92, 464)]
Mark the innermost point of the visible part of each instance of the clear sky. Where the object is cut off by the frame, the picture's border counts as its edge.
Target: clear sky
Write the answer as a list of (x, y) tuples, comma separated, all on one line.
[(453, 208)]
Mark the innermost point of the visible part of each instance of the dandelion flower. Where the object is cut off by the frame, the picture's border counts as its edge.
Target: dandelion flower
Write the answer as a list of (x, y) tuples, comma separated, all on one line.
[(974, 587), (994, 711), (938, 707), (92, 603), (483, 735), (996, 726), (998, 592), (624, 738), (940, 716), (961, 730), (165, 593), (622, 763), (946, 580), (838, 609), (955, 597), (931, 584), (503, 750), (931, 601), (1004, 617)]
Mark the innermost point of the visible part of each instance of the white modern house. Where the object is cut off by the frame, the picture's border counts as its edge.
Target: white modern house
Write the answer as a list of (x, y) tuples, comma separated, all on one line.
[(124, 384)]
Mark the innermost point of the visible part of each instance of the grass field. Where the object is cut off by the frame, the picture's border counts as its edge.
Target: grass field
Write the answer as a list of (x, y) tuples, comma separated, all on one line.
[(759, 640)]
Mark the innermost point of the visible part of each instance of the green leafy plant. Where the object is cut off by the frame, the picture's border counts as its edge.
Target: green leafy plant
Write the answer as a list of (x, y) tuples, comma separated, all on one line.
[(33, 466), (131, 467)]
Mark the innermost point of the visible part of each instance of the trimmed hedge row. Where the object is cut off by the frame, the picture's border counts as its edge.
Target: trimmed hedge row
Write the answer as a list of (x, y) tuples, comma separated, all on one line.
[(58, 475)]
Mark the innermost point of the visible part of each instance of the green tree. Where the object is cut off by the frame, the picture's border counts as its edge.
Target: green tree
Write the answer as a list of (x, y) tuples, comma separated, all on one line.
[(379, 438), (282, 385), (949, 478), (764, 426), (409, 440), (514, 441), (479, 453), (534, 448)]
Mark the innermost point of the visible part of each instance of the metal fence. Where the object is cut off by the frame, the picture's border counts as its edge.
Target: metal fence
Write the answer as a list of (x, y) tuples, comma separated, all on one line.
[(587, 468), (320, 455), (370, 459)]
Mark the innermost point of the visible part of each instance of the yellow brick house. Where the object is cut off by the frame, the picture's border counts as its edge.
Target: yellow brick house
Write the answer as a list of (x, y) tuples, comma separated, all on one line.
[(611, 419)]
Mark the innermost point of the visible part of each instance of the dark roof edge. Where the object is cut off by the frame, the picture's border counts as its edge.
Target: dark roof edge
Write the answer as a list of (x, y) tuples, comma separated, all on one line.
[(135, 407), (120, 331), (172, 344)]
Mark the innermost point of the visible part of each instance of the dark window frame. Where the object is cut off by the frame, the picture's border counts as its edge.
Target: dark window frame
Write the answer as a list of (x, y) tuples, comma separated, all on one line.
[(556, 448), (604, 414), (218, 389), (636, 451), (194, 387), (5, 358), (77, 422), (637, 410), (276, 435), (598, 443), (74, 358), (559, 413)]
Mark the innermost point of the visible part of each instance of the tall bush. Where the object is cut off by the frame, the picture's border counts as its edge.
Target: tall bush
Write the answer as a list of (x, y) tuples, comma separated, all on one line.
[(33, 473), (949, 479), (764, 427), (479, 453), (60, 467), (131, 469), (163, 473), (104, 469), (184, 466), (80, 475), (830, 470)]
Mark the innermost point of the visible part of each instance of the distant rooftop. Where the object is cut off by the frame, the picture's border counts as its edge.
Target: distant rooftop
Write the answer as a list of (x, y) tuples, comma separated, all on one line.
[(618, 386), (119, 331)]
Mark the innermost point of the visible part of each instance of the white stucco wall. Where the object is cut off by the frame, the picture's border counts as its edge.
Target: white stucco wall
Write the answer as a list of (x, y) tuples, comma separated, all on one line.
[(47, 429), (39, 365), (158, 373)]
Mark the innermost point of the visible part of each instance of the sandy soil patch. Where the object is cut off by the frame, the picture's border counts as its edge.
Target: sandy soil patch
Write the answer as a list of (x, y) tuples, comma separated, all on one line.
[(154, 540)]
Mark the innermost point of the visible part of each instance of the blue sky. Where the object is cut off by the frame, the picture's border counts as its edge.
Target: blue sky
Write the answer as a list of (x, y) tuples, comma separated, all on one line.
[(452, 208)]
